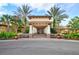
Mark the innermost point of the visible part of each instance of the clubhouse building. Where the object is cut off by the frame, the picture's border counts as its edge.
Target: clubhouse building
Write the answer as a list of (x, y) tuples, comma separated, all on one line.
[(39, 25)]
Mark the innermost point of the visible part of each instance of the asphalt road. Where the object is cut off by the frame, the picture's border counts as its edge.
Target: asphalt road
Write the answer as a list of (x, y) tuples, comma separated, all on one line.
[(39, 47)]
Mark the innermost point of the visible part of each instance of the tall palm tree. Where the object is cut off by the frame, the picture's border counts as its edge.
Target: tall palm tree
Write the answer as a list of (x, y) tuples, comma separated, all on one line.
[(23, 12), (57, 14)]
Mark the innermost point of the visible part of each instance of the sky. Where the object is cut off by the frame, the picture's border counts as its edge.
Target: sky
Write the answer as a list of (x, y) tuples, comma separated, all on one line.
[(72, 9)]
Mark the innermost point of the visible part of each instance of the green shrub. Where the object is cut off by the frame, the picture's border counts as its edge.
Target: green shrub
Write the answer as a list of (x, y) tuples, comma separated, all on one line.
[(7, 35), (72, 36)]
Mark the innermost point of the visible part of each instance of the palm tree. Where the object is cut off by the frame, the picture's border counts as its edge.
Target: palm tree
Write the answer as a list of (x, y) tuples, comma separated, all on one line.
[(20, 25), (6, 20), (3, 20), (23, 12), (14, 23), (57, 14), (74, 23)]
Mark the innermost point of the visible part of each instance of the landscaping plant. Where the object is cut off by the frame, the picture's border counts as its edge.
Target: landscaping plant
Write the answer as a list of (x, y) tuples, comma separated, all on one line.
[(72, 36), (7, 35)]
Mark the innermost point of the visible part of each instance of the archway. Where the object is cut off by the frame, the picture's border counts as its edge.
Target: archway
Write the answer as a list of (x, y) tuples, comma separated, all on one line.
[(39, 25)]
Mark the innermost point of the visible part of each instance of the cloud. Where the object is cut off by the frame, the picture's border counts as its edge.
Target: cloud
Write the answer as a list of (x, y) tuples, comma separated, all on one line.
[(40, 8), (45, 6), (7, 8), (1, 13), (2, 10), (67, 6), (64, 23), (39, 1), (25, 1)]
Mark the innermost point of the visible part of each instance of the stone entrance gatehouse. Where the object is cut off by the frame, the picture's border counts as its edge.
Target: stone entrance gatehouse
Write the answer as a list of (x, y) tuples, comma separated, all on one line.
[(39, 25)]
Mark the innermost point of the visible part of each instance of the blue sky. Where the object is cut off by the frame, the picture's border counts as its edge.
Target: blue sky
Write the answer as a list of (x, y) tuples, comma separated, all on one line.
[(72, 9)]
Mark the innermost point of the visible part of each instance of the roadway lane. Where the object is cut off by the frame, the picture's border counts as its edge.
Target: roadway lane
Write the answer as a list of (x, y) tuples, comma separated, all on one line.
[(39, 47)]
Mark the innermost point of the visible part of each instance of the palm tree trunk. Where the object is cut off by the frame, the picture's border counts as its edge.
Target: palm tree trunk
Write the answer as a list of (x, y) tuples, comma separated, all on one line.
[(54, 24), (25, 23), (58, 27), (24, 30), (16, 28), (8, 27)]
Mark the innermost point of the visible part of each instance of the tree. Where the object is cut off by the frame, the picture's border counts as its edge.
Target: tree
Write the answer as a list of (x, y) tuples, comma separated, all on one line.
[(74, 23), (6, 20), (3, 20), (23, 13), (10, 20), (57, 14), (14, 22)]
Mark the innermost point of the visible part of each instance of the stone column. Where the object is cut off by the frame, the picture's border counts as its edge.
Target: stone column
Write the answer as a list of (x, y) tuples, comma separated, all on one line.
[(30, 32), (48, 31)]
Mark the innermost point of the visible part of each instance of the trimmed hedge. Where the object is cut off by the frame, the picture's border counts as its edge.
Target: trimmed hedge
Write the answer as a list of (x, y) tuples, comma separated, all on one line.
[(7, 35)]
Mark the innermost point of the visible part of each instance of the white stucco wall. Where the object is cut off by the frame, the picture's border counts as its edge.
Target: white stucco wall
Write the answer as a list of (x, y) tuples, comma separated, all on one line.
[(30, 32), (47, 30), (34, 30)]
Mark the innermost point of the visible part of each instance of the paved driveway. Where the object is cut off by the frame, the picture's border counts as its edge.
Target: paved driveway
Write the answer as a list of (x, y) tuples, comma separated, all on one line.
[(39, 47)]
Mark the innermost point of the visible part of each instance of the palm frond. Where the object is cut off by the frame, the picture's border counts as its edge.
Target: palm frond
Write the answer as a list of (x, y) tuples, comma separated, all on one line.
[(57, 13)]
